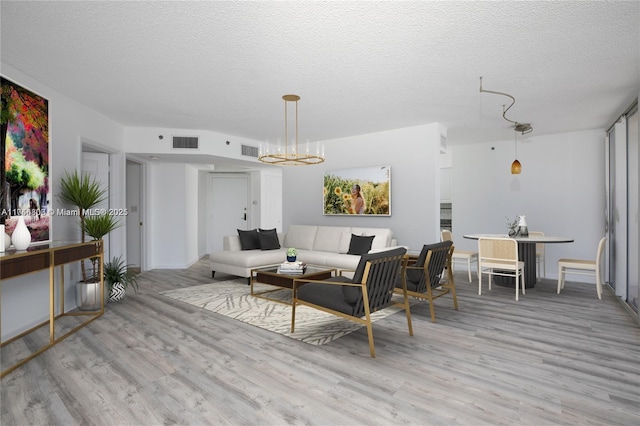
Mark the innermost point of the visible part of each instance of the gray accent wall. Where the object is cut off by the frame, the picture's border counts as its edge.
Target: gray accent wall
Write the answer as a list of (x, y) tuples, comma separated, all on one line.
[(413, 154)]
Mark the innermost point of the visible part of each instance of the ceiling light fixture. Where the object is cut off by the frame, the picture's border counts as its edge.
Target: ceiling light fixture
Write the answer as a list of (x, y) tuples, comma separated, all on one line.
[(516, 167), (523, 128), (288, 154)]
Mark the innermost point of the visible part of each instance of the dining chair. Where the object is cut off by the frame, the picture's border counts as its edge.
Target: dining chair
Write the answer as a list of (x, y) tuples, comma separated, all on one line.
[(460, 255), (499, 256), (583, 267), (540, 257), (426, 279)]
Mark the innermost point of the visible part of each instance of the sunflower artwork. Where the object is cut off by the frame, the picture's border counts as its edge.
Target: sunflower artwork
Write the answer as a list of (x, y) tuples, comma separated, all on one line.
[(359, 191)]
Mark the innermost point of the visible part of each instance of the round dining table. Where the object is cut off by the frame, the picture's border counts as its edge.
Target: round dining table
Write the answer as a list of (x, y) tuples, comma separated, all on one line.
[(526, 253)]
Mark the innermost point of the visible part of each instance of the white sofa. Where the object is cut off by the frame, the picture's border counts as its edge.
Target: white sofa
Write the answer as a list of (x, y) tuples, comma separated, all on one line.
[(316, 245)]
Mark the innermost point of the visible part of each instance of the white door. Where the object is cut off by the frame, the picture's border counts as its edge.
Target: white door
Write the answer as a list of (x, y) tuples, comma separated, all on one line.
[(96, 164), (228, 207)]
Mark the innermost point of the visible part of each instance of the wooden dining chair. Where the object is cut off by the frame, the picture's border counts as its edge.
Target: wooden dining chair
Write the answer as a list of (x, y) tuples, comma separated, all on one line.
[(467, 257), (583, 267), (499, 256), (540, 257)]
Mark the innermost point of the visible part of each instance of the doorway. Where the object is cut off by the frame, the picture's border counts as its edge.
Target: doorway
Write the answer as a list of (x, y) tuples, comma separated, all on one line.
[(134, 222), (229, 198)]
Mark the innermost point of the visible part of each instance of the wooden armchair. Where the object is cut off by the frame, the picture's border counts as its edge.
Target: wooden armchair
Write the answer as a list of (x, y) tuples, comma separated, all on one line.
[(370, 289), (425, 279)]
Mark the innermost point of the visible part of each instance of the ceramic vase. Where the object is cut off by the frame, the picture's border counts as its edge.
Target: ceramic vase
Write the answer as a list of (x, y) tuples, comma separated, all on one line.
[(523, 231), (21, 237), (291, 258)]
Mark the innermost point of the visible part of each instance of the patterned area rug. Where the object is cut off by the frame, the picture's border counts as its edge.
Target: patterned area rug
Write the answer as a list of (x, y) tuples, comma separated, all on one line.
[(232, 299)]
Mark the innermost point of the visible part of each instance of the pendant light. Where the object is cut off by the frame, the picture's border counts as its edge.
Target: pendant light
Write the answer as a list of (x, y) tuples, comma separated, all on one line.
[(516, 167)]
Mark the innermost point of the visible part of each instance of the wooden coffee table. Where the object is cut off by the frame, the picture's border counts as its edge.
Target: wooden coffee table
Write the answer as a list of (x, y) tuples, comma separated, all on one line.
[(269, 275)]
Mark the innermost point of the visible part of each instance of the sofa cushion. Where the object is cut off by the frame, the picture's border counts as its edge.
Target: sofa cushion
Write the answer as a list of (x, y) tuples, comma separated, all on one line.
[(301, 236), (382, 236), (249, 239), (328, 238), (268, 239), (345, 240), (359, 244), (249, 258)]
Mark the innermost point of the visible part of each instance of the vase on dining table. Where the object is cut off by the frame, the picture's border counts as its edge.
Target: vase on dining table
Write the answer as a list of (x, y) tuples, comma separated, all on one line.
[(523, 231)]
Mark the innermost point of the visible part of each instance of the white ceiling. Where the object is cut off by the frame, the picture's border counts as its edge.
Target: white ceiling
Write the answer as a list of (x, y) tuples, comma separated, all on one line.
[(359, 67)]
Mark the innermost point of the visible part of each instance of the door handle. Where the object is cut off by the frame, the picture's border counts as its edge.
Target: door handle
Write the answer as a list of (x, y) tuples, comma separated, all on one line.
[(245, 217)]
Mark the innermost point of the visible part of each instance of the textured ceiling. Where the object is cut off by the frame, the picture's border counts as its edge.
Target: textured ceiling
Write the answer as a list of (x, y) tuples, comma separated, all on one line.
[(359, 67)]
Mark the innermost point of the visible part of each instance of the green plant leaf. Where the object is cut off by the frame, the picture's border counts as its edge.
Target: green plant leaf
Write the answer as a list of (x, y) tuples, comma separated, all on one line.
[(116, 271), (81, 190), (97, 226)]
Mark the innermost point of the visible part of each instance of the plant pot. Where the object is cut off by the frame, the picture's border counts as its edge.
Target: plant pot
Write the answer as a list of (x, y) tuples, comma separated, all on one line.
[(291, 258), (88, 297), (117, 292)]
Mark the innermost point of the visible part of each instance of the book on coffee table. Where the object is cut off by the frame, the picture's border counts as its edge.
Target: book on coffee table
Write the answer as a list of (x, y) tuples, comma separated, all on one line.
[(292, 268)]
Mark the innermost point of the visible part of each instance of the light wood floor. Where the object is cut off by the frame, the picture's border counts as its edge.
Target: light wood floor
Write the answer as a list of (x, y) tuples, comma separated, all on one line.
[(545, 360)]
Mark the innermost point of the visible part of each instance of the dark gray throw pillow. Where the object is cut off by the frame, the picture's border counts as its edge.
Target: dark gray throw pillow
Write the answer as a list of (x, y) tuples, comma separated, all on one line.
[(360, 245), (268, 239), (249, 239)]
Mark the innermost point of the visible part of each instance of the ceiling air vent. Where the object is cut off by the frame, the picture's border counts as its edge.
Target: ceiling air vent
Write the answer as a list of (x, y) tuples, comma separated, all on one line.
[(185, 142), (250, 151)]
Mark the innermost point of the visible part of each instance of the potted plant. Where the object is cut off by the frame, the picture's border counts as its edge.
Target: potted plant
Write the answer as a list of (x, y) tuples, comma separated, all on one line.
[(292, 254), (83, 192), (118, 278)]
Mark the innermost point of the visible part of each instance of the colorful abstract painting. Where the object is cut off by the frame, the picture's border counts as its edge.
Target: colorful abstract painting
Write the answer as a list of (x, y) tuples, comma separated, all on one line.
[(24, 143), (359, 191)]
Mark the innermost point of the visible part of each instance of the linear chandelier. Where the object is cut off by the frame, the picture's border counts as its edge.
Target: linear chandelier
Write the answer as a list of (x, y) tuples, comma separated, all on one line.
[(288, 154)]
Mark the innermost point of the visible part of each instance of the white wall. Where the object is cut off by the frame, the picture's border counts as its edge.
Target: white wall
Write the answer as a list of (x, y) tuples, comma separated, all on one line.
[(203, 193), (413, 154), (560, 191), (172, 235), (25, 299)]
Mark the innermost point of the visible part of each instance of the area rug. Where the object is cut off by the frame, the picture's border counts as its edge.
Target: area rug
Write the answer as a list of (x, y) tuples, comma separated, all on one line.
[(233, 299)]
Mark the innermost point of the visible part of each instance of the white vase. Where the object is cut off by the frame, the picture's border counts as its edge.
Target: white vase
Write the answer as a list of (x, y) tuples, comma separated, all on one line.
[(523, 231), (21, 237)]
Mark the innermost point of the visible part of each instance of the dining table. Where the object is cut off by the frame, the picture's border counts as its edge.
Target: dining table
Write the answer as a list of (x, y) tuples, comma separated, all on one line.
[(526, 253)]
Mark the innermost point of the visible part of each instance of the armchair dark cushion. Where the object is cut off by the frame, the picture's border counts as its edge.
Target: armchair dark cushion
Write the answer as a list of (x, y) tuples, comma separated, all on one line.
[(414, 275), (268, 239), (249, 239), (360, 244)]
